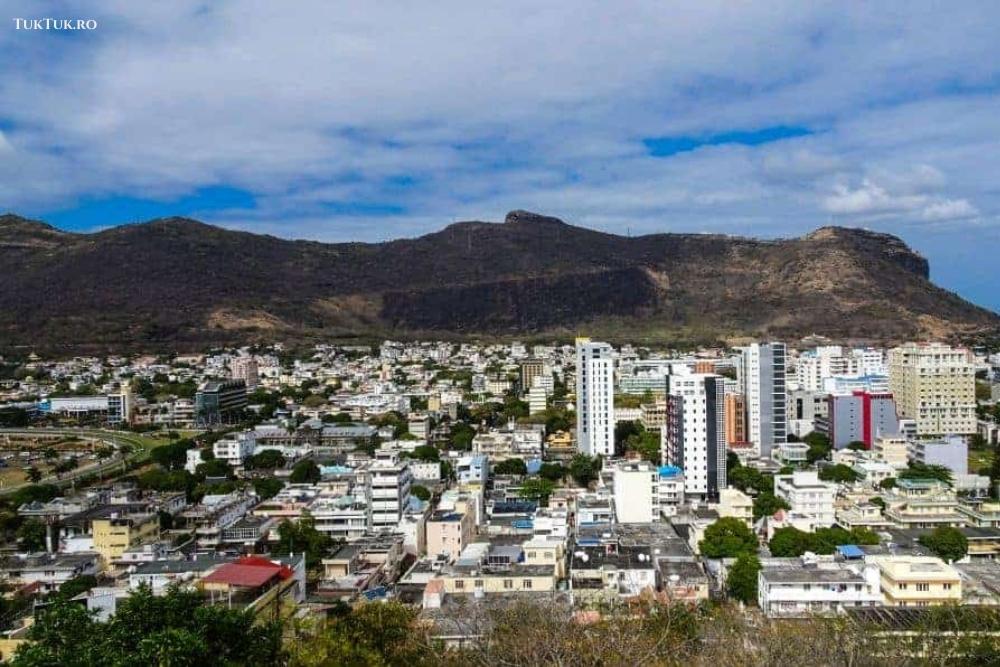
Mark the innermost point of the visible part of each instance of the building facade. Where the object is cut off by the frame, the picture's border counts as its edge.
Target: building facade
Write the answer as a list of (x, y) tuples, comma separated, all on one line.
[(595, 398), (694, 437), (761, 376), (935, 385)]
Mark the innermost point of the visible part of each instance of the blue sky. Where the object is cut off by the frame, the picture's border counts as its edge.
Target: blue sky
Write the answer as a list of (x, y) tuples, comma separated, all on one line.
[(371, 121)]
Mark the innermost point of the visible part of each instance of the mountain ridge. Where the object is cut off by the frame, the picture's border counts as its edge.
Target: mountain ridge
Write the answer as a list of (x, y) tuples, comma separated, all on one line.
[(180, 282)]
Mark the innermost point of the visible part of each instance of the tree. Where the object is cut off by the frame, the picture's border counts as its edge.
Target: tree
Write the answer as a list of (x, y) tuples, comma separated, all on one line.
[(33, 474), (751, 480), (741, 582), (172, 456), (887, 483), (511, 467), (877, 500), (460, 437), (819, 446), (537, 489), (269, 459), (305, 472), (172, 629), (267, 487), (214, 468), (302, 537), (75, 586), (766, 504), (788, 542), (728, 538), (31, 535), (427, 453), (857, 446), (339, 418), (420, 492), (376, 634), (553, 472), (838, 473), (584, 469), (917, 470), (947, 543)]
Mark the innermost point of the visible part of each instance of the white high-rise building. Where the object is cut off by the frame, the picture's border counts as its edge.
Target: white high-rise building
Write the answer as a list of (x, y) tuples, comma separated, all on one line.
[(761, 376), (595, 398), (694, 435), (934, 384), (389, 481)]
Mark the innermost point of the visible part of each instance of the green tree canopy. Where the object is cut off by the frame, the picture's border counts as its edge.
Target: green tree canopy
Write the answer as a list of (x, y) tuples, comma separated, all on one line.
[(839, 473), (305, 472), (269, 459), (741, 581), (584, 469), (172, 629), (513, 466), (420, 492), (728, 538), (537, 489), (947, 543)]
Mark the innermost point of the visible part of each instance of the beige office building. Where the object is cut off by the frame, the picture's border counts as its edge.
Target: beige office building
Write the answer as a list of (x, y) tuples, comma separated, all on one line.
[(934, 384)]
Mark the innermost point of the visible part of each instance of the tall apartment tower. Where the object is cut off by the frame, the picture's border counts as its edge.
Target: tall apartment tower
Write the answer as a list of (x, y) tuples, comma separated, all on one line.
[(595, 398), (761, 376), (244, 368), (934, 384), (694, 437)]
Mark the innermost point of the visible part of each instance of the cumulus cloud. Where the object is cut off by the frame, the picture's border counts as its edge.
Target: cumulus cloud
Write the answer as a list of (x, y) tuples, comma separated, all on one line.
[(368, 121)]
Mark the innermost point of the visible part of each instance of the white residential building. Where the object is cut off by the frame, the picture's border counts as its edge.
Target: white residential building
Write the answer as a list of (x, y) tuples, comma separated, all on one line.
[(595, 398), (761, 377), (636, 492), (537, 399), (807, 587), (808, 496), (389, 481), (694, 435), (235, 448)]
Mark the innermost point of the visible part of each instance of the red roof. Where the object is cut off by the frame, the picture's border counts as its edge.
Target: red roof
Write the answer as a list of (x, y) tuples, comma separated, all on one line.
[(246, 576), (257, 561)]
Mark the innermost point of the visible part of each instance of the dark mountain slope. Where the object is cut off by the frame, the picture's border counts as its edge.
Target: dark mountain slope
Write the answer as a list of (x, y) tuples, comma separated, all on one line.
[(178, 282)]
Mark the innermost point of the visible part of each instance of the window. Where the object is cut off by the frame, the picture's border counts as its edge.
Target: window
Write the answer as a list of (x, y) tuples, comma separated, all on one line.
[(459, 584), (947, 587), (478, 583), (526, 584), (508, 584)]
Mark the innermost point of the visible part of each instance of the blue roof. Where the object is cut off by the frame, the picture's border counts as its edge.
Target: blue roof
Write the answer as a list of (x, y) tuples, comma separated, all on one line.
[(533, 466), (375, 593), (670, 471), (850, 551)]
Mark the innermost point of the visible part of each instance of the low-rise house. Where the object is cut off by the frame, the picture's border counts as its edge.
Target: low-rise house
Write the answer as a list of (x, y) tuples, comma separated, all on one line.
[(214, 514), (917, 581), (612, 570), (48, 571)]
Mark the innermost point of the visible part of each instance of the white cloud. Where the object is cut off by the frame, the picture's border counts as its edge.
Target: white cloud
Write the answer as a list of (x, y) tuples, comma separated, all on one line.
[(485, 107), (949, 209)]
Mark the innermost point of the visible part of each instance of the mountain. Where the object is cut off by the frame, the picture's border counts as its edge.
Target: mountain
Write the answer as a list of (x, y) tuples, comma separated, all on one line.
[(178, 283)]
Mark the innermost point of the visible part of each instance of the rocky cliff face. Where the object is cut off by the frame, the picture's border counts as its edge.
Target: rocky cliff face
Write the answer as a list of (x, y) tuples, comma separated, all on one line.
[(180, 283)]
